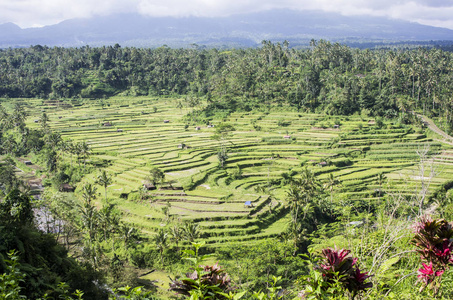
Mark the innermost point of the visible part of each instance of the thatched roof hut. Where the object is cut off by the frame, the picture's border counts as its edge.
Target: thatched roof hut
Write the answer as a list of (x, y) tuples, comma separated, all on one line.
[(66, 187), (149, 186)]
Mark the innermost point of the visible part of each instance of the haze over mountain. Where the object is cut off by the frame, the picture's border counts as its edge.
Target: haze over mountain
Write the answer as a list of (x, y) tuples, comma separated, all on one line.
[(243, 30)]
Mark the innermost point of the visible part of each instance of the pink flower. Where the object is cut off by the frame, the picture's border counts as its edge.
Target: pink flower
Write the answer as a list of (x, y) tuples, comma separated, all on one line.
[(427, 273)]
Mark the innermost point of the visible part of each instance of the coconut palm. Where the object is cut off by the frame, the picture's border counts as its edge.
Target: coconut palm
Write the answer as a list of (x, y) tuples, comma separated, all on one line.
[(190, 231), (53, 140), (104, 179), (177, 235), (161, 240), (88, 211), (83, 151), (380, 178), (330, 184)]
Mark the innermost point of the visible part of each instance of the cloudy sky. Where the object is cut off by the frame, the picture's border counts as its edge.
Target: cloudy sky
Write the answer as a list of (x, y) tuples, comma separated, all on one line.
[(31, 13)]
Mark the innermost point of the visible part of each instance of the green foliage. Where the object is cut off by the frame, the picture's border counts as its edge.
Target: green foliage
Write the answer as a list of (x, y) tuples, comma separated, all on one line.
[(433, 239), (156, 176), (336, 275), (10, 281), (205, 282), (128, 292)]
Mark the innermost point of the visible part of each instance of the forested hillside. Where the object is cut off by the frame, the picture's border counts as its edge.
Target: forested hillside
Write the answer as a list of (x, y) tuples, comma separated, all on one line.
[(329, 78)]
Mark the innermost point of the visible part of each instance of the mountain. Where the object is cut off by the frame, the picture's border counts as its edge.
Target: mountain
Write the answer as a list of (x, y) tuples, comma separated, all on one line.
[(243, 30)]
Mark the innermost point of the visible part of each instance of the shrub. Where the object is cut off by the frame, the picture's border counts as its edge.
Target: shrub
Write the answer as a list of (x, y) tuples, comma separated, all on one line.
[(434, 242), (334, 275), (203, 282)]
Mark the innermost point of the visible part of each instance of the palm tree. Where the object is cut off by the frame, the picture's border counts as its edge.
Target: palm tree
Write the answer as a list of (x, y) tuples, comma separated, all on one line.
[(19, 114), (190, 231), (177, 235), (9, 144), (53, 140), (380, 178), (44, 119), (104, 180), (84, 151), (88, 211), (161, 239), (109, 220), (5, 118), (330, 184), (89, 192)]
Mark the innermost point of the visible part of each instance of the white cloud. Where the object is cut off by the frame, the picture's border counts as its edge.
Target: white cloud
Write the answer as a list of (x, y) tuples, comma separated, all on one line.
[(28, 13)]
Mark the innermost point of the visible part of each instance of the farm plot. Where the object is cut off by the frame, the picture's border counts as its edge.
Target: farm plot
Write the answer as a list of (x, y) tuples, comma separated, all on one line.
[(233, 203)]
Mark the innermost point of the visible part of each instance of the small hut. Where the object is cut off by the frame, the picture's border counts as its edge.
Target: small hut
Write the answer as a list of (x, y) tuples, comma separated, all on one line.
[(66, 187), (322, 164), (28, 163), (107, 124), (166, 121), (60, 117), (197, 128), (287, 137), (149, 186), (36, 121), (248, 204), (336, 126), (119, 130)]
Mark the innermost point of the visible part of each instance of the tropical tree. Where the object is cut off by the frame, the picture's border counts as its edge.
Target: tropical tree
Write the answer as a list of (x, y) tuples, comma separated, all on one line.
[(177, 234), (156, 175), (84, 151), (222, 134), (380, 178), (161, 241), (104, 179), (191, 231), (330, 184), (44, 120), (53, 140), (89, 212)]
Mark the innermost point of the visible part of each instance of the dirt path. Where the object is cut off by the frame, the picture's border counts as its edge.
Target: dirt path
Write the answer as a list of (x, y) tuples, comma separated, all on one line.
[(433, 127)]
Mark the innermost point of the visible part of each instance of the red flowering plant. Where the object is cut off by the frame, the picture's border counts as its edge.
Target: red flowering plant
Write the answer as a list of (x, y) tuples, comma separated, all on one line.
[(203, 282), (434, 242), (339, 274)]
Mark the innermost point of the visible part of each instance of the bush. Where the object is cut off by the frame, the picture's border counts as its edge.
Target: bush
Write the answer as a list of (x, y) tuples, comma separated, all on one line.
[(336, 274)]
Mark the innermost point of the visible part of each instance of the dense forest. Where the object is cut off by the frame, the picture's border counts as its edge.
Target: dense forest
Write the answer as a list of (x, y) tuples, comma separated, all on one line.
[(329, 78), (89, 251)]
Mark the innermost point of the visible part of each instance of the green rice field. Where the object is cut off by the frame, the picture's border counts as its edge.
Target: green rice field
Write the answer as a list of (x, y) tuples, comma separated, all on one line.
[(147, 132)]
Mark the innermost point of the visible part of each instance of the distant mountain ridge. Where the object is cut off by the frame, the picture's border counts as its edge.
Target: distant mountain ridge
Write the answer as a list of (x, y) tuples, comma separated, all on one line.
[(243, 30)]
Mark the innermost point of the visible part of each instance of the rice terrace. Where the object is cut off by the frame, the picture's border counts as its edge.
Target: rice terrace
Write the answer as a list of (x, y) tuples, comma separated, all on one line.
[(221, 150), (246, 200)]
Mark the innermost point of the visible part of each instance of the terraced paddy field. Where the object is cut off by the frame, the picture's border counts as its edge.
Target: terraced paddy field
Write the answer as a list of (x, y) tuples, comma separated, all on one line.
[(147, 132)]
